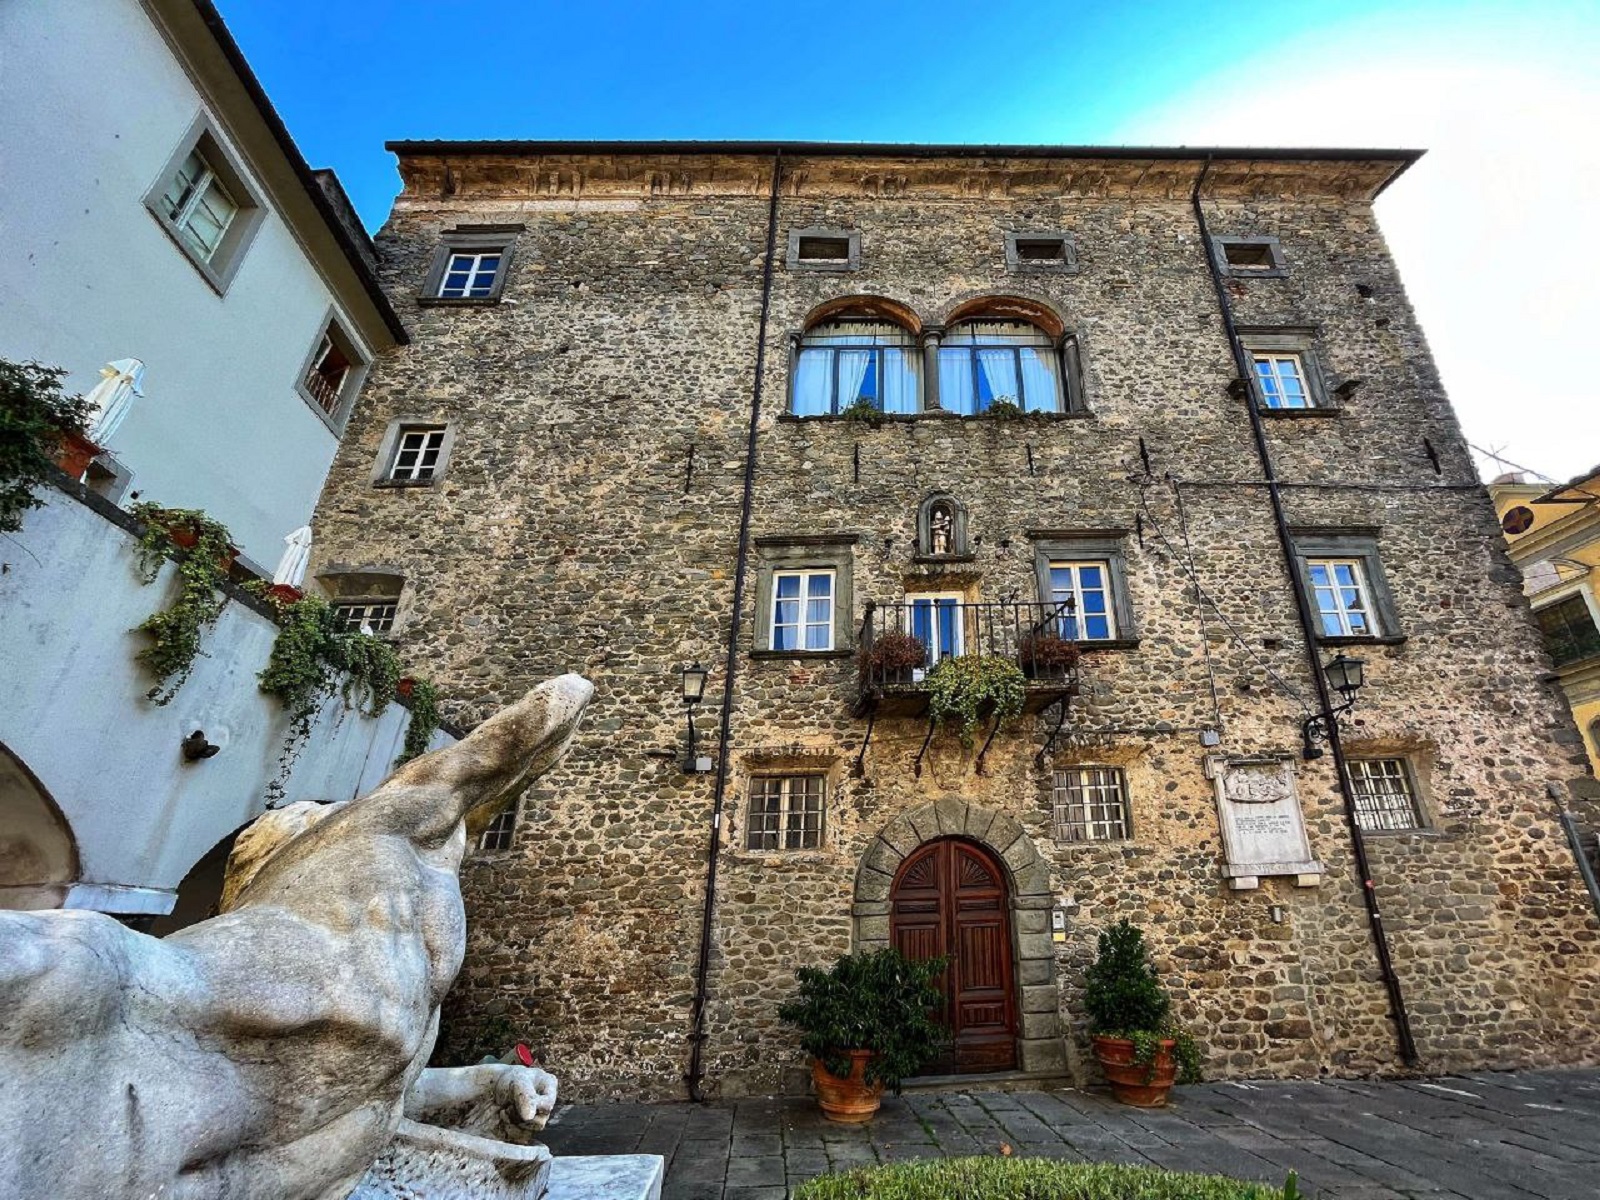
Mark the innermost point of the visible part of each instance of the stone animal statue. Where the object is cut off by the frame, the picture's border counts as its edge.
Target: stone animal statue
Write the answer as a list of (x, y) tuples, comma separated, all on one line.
[(278, 1051)]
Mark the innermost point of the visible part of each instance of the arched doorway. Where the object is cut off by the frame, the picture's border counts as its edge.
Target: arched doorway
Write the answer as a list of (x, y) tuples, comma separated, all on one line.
[(201, 890), (38, 856), (950, 899)]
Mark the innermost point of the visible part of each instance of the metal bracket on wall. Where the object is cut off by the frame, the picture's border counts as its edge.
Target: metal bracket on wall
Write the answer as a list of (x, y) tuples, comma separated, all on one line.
[(916, 768), (1049, 743), (861, 759), (977, 767)]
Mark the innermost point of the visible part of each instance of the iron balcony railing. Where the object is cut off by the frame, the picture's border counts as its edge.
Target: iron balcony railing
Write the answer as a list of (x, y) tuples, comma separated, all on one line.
[(902, 642)]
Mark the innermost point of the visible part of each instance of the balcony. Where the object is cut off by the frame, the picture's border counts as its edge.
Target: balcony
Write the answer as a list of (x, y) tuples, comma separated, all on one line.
[(1032, 635)]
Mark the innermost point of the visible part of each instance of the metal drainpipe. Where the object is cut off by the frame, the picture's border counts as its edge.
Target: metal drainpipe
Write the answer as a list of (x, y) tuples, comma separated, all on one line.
[(697, 1036), (1308, 629)]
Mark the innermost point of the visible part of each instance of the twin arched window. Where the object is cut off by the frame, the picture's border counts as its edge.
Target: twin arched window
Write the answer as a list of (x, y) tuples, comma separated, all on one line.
[(856, 361)]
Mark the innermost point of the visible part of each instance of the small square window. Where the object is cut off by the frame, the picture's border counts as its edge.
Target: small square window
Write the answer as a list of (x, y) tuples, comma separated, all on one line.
[(785, 812), (1251, 256), (1282, 379), (500, 832), (199, 205), (206, 204), (1342, 596), (371, 617), (416, 454), (1041, 251), (469, 276), (1089, 805), (825, 249), (332, 375), (1385, 798), (802, 610), (470, 265)]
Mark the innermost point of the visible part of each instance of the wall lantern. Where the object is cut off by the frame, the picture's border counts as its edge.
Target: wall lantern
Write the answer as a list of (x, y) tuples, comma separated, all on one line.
[(694, 690), (1345, 676)]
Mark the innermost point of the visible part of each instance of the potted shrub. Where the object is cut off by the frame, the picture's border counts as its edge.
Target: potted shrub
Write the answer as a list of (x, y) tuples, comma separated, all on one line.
[(1047, 655), (36, 421), (973, 686), (1140, 1050), (892, 657), (866, 1024)]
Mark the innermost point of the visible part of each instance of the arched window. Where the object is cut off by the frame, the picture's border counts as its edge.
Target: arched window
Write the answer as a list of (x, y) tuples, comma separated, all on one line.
[(984, 361), (847, 361)]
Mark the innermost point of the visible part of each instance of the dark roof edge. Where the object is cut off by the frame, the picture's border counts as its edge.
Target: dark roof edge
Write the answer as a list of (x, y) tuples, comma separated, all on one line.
[(269, 115)]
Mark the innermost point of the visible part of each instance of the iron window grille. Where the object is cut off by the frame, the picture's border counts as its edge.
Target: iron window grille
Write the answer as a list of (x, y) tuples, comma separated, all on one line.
[(470, 276), (1383, 793), (366, 616), (1343, 597), (416, 455), (802, 610), (785, 812), (1282, 380), (982, 362), (1089, 804), (1569, 630), (498, 834)]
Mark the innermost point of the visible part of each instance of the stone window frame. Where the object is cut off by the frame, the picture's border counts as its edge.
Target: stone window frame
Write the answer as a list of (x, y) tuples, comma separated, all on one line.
[(1278, 270), (203, 136), (1360, 544), (1066, 265), (389, 447), (1300, 340), (958, 535), (1077, 545), (333, 328), (473, 239), (786, 779), (852, 238), (345, 583), (818, 552)]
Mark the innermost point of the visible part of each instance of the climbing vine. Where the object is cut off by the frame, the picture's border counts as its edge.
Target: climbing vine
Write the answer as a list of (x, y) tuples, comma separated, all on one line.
[(203, 551), (34, 416), (971, 686), (424, 720)]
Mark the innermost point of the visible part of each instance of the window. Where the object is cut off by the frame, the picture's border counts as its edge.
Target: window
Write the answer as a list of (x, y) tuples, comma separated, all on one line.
[(1260, 257), (1383, 794), (1040, 252), (823, 249), (470, 265), (416, 455), (1569, 629), (1282, 380), (498, 834), (984, 362), (937, 620), (206, 205), (847, 362), (785, 812), (1339, 590), (332, 375), (802, 610), (366, 616), (1088, 804), (330, 367), (1083, 590)]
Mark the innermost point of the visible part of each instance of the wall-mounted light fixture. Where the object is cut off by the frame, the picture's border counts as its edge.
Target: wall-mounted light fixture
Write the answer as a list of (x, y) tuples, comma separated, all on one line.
[(1345, 676), (694, 691), (196, 747)]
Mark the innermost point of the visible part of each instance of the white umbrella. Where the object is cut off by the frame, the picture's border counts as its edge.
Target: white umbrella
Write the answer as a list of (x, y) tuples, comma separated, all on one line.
[(112, 397), (292, 566)]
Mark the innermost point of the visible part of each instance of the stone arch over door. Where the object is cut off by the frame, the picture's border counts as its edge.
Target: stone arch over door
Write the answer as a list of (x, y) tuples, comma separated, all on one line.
[(1040, 1046), (38, 854)]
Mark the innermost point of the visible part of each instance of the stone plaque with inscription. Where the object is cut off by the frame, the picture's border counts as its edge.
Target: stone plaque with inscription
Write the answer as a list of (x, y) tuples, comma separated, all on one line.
[(1262, 831)]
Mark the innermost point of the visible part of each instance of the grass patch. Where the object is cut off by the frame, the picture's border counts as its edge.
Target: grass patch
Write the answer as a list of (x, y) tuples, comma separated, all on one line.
[(1025, 1179)]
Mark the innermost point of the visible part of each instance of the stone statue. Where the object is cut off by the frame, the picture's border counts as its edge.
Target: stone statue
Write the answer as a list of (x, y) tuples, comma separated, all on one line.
[(941, 531), (278, 1051)]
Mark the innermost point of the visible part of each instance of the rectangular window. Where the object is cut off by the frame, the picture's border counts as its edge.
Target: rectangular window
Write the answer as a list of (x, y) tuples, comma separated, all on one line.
[(802, 610), (1251, 256), (1569, 630), (1042, 249), (1082, 592), (199, 205), (416, 455), (469, 276), (1339, 590), (1089, 805), (785, 812), (366, 616), (1282, 379), (330, 368), (936, 621), (824, 249), (1383, 793), (500, 831)]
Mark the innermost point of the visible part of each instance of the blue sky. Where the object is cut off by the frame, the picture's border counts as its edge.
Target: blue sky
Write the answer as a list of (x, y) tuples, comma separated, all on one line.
[(1506, 96)]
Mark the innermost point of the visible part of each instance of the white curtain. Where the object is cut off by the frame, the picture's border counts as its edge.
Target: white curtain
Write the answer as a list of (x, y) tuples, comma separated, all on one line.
[(1041, 379), (853, 366), (902, 380), (813, 372), (955, 382)]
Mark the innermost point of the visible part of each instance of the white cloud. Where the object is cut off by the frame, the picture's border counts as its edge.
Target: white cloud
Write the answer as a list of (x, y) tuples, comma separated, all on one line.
[(1496, 230)]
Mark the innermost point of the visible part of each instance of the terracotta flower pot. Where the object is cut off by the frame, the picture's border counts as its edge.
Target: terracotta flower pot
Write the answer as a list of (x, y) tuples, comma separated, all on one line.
[(285, 593), (186, 537), (1143, 1085), (74, 453), (850, 1100), (406, 686)]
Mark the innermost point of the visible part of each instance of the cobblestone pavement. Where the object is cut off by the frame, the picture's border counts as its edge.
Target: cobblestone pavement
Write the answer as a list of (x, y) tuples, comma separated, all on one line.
[(1504, 1136)]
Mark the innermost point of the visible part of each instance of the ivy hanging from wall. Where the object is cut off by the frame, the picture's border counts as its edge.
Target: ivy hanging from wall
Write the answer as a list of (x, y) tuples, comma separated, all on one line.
[(36, 420), (204, 552), (424, 720), (972, 686)]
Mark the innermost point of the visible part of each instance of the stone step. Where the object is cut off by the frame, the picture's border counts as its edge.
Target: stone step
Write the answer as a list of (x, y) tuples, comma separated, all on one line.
[(991, 1081)]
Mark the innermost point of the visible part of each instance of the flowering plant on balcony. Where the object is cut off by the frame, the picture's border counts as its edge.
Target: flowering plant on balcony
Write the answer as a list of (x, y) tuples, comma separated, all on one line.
[(891, 655), (1047, 654), (972, 686)]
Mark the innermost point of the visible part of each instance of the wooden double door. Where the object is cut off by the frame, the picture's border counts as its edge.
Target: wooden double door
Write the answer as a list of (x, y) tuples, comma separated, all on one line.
[(950, 900)]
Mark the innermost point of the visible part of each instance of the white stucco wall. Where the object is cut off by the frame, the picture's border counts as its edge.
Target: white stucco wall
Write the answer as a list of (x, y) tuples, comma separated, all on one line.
[(93, 103), (72, 709)]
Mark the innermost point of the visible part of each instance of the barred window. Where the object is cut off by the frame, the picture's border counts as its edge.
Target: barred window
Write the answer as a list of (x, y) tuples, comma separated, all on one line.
[(1090, 805), (785, 812), (366, 616), (1384, 796), (497, 836), (416, 452)]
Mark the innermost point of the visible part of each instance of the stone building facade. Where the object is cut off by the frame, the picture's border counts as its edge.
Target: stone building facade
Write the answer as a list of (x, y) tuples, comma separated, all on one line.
[(588, 322)]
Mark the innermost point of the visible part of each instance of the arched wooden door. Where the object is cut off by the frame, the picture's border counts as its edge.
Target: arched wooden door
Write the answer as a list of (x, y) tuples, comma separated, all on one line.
[(950, 899)]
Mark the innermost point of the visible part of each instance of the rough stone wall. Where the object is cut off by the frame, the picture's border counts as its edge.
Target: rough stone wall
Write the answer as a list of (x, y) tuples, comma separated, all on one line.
[(564, 537)]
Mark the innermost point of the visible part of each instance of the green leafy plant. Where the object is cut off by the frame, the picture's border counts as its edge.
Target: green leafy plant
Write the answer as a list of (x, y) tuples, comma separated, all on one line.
[(862, 410), (969, 686), (424, 720), (1125, 999), (1019, 1178), (203, 550), (891, 652), (34, 415), (1004, 408), (880, 1002)]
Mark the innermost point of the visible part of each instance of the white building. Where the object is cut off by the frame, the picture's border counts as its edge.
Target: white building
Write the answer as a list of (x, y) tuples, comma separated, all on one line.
[(154, 208)]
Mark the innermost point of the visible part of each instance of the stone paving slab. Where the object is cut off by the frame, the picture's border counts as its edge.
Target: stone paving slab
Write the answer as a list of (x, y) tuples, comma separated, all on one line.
[(1527, 1135)]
